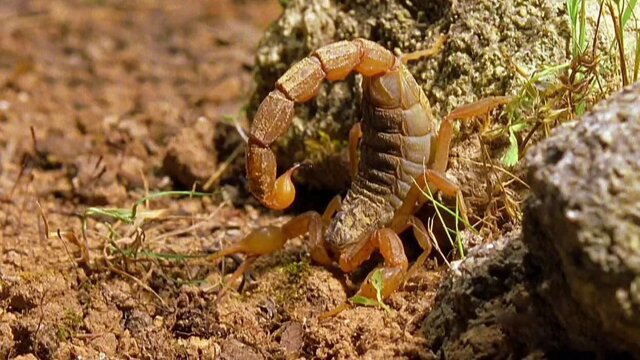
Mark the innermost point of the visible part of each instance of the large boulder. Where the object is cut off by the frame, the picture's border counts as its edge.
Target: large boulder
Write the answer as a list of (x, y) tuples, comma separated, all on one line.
[(583, 223), (569, 283), (488, 308), (486, 38)]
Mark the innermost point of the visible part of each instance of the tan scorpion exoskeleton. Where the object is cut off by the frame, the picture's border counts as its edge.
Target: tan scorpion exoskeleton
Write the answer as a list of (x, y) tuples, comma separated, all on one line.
[(401, 152)]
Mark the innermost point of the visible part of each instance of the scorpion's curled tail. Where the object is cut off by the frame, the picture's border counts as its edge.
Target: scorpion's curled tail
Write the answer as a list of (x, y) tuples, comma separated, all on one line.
[(299, 84)]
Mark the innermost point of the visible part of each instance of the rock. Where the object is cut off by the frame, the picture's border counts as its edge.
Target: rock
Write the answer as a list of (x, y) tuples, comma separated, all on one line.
[(233, 349), (94, 180), (42, 339), (25, 357), (26, 293), (6, 337), (131, 172), (292, 338), (570, 282), (56, 149), (198, 348), (191, 155), (484, 37), (486, 308), (106, 344), (583, 224)]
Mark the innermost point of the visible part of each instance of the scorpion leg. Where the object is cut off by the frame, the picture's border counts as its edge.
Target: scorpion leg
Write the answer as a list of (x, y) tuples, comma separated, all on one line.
[(330, 210), (318, 248), (387, 242), (443, 142), (268, 239), (435, 177), (435, 49), (415, 197), (236, 274), (420, 233), (480, 107), (355, 134), (395, 265)]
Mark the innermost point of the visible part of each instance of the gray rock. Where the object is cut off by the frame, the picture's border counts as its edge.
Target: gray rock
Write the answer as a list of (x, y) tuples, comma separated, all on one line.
[(583, 224), (488, 308), (568, 284)]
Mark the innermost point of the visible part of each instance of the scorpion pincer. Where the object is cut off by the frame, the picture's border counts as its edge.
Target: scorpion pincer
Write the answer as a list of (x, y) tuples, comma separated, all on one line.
[(400, 153)]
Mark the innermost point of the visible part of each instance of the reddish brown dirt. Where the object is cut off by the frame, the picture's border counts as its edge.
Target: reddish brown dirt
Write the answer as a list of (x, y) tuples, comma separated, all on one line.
[(102, 102)]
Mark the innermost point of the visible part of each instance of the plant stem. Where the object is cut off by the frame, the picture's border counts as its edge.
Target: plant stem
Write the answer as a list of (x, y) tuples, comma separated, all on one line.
[(620, 41)]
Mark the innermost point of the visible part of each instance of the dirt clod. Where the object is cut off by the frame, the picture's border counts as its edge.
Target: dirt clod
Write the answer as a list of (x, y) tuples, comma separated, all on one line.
[(95, 182), (191, 155), (292, 337), (232, 349), (26, 357)]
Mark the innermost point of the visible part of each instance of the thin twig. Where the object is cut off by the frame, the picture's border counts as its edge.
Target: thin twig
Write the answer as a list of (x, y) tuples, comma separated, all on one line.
[(225, 165), (137, 281), (620, 41), (499, 168), (190, 228)]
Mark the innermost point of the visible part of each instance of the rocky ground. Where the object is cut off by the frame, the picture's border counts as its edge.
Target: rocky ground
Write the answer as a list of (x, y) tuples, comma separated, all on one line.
[(105, 102)]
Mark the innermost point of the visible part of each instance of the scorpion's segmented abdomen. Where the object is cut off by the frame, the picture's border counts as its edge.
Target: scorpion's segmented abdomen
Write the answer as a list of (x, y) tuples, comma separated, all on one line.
[(398, 139)]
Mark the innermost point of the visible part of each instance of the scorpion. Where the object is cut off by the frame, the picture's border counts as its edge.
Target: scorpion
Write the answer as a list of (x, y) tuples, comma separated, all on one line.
[(400, 153)]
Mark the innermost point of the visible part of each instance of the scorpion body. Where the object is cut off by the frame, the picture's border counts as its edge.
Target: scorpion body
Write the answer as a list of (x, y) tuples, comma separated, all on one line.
[(403, 150), (396, 146)]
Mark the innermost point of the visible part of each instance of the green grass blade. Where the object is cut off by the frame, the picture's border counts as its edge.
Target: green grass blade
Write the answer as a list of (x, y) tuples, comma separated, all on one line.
[(458, 237), (443, 207), (361, 300), (577, 20), (628, 12), (170, 193), (572, 9), (163, 194), (636, 62), (378, 284), (165, 256), (583, 27)]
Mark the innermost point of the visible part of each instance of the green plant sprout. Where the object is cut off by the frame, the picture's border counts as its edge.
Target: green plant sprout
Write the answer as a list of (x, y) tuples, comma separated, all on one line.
[(512, 155), (128, 216), (525, 108), (378, 284), (562, 92)]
